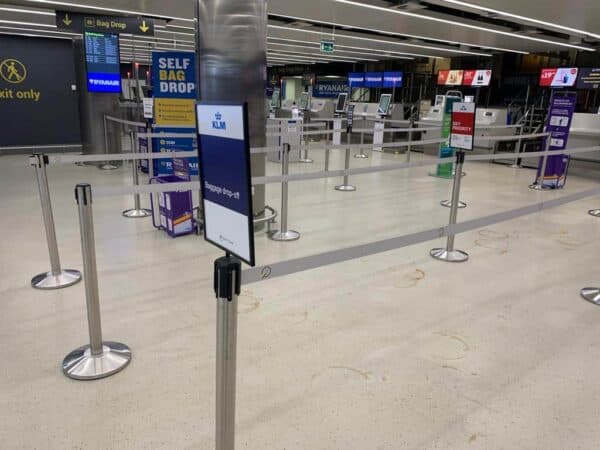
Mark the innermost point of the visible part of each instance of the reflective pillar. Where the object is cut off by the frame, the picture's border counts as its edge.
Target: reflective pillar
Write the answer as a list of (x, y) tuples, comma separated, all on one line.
[(232, 65)]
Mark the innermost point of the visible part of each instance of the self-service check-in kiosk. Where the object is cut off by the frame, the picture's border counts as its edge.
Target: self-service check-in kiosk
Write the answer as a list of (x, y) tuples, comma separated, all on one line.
[(383, 109)]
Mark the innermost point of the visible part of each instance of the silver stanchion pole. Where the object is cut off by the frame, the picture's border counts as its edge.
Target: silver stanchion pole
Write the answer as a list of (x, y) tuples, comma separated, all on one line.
[(539, 183), (450, 254), (107, 165), (592, 295), (99, 359), (361, 153), (411, 124), (227, 283), (57, 277), (517, 163), (284, 234), (347, 187), (594, 212), (327, 150), (137, 212)]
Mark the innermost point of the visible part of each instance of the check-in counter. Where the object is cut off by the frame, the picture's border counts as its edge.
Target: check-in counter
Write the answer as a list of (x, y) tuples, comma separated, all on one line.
[(585, 132), (491, 122), (284, 131), (321, 108)]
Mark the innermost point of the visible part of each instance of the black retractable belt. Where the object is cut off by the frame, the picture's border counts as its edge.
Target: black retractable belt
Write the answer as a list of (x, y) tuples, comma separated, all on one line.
[(225, 268)]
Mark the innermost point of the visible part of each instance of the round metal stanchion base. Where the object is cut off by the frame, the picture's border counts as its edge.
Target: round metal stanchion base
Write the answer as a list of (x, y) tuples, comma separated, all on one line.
[(80, 364), (107, 167), (448, 204), (539, 187), (289, 235), (361, 156), (137, 213), (515, 166), (306, 161), (591, 295), (66, 278), (455, 256), (594, 212), (345, 188)]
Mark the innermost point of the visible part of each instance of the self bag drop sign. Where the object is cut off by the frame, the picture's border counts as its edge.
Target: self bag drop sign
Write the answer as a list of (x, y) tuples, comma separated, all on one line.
[(224, 153), (176, 75)]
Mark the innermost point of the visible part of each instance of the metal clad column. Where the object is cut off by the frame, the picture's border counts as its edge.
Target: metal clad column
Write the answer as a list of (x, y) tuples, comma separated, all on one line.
[(232, 65)]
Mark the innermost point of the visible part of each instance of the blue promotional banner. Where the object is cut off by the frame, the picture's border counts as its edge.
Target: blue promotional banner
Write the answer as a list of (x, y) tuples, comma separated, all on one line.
[(329, 88), (558, 123), (163, 145), (356, 80), (174, 75), (392, 79), (224, 153), (373, 79)]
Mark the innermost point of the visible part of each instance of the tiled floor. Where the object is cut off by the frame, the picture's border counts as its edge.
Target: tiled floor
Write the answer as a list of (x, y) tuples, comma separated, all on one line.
[(394, 351)]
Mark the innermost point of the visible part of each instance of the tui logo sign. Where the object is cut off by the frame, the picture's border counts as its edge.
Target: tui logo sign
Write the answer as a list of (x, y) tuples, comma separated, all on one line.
[(218, 123)]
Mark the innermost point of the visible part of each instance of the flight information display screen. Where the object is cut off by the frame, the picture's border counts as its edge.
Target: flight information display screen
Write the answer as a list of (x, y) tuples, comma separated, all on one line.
[(102, 62)]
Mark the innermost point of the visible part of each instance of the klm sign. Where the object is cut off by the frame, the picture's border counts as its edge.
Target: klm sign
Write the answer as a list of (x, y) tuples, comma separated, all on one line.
[(219, 124)]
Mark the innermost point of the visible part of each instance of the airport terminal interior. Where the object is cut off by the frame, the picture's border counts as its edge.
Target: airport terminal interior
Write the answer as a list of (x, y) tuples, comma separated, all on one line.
[(299, 224)]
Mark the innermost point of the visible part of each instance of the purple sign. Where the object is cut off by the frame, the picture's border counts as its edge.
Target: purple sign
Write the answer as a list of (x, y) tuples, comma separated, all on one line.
[(560, 116)]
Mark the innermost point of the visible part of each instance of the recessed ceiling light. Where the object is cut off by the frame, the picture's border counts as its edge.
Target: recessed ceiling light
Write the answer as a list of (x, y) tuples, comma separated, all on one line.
[(29, 24), (461, 24), (28, 11)]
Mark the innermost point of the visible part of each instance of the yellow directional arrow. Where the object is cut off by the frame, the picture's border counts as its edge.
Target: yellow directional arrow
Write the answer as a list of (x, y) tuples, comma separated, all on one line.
[(66, 20), (144, 27)]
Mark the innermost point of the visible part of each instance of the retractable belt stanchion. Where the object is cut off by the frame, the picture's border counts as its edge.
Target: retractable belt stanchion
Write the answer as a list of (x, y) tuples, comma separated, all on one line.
[(539, 183), (107, 165), (591, 295), (411, 124), (227, 284), (327, 150), (346, 187), (98, 359), (594, 212), (361, 153), (450, 254), (57, 277), (517, 163), (284, 234), (448, 203), (137, 212)]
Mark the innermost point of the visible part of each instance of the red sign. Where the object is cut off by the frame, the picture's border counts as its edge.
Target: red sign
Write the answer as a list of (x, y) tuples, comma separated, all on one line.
[(450, 77), (463, 125), (561, 77), (477, 77)]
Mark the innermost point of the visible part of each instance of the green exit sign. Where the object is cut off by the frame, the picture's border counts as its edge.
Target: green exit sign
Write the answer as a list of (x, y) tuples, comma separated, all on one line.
[(327, 46)]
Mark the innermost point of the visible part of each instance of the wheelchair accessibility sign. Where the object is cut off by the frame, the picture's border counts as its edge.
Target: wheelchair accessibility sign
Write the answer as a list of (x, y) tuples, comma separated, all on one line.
[(13, 71)]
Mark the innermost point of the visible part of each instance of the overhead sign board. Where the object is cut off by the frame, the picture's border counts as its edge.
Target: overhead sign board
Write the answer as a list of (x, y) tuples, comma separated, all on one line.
[(224, 153), (102, 62), (463, 125), (356, 80), (80, 23), (589, 78), (325, 88), (327, 46), (392, 79), (450, 77), (373, 79), (477, 78), (558, 77)]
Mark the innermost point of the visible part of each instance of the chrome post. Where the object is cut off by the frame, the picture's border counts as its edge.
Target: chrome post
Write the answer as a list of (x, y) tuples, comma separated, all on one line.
[(411, 124), (327, 149), (227, 284), (57, 277), (346, 187), (450, 254), (137, 212), (107, 165), (517, 163), (361, 153), (539, 183), (284, 234), (99, 359)]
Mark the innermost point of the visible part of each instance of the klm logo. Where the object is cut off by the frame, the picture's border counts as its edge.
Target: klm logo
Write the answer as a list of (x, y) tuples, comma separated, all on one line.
[(219, 124)]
